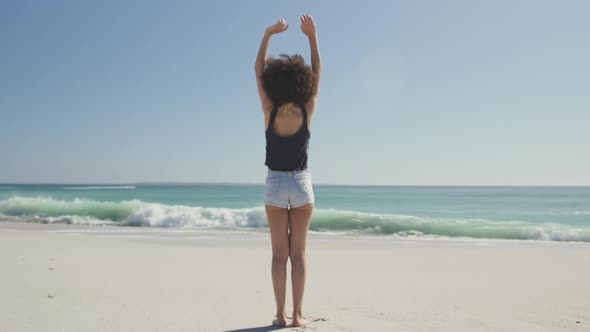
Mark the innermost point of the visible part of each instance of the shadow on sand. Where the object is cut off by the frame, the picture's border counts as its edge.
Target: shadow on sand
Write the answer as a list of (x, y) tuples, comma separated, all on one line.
[(270, 327)]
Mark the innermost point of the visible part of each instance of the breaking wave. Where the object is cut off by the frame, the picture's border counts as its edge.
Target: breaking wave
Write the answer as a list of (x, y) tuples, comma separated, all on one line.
[(145, 214)]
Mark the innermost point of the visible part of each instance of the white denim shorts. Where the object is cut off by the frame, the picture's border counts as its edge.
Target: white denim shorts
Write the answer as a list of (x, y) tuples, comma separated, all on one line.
[(288, 189)]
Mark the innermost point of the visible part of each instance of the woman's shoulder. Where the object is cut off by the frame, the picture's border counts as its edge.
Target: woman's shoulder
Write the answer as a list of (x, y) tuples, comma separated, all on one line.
[(267, 109), (310, 105)]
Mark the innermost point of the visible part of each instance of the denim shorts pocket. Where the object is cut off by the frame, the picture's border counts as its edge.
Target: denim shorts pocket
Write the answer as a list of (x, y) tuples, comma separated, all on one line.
[(304, 184), (272, 185)]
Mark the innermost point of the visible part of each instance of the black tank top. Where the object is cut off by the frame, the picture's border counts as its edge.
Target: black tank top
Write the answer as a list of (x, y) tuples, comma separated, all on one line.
[(287, 153)]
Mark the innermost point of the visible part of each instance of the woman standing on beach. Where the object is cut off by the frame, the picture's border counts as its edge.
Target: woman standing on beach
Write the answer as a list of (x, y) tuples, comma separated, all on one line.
[(288, 90)]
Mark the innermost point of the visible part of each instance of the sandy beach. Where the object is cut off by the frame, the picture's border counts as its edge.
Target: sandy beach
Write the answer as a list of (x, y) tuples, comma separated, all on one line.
[(79, 278)]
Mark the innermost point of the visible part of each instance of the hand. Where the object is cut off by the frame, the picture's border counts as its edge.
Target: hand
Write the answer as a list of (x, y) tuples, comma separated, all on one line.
[(278, 27), (307, 25)]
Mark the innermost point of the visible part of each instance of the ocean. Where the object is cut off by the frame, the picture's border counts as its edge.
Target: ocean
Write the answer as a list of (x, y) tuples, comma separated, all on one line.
[(518, 213)]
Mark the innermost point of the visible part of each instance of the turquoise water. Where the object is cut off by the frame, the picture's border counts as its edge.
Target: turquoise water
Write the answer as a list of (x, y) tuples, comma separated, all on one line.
[(540, 213)]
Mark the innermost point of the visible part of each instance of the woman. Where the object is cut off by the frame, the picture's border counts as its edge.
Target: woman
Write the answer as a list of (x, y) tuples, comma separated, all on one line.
[(288, 90)]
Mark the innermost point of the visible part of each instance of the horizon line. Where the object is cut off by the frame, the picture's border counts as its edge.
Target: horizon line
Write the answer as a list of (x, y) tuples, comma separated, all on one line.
[(188, 183)]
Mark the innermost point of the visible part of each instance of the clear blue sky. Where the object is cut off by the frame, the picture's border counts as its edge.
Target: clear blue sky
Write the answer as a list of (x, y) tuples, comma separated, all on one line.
[(413, 92)]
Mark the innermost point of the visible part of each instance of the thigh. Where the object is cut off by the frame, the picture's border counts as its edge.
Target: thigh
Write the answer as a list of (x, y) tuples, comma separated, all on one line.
[(278, 223), (299, 220)]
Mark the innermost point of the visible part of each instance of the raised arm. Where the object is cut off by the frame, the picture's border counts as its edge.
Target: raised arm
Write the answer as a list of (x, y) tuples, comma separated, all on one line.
[(278, 27), (309, 29)]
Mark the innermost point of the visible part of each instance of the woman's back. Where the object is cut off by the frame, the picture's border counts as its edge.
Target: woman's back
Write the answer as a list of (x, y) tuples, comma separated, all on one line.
[(287, 123), (287, 139)]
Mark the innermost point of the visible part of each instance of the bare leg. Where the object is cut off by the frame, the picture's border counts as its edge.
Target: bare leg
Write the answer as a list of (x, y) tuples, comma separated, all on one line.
[(278, 222), (299, 221)]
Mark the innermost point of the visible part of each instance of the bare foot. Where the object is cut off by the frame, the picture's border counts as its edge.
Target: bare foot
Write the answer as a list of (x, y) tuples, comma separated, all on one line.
[(299, 321), (282, 322)]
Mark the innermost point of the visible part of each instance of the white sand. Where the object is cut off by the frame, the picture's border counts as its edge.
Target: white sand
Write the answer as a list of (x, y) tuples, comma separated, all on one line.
[(54, 278)]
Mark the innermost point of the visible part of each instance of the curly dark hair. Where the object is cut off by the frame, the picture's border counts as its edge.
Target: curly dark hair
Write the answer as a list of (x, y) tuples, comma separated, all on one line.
[(288, 80)]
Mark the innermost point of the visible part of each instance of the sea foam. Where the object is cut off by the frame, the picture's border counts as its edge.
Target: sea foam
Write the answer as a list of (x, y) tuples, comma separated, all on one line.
[(330, 221)]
